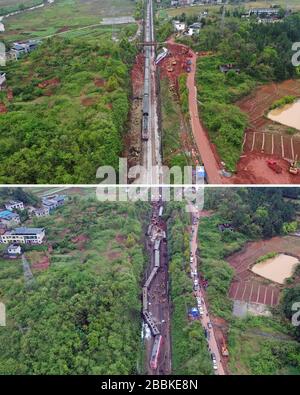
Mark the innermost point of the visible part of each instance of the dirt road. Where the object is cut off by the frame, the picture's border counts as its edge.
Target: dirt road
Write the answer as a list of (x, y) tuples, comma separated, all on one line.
[(205, 319), (202, 141)]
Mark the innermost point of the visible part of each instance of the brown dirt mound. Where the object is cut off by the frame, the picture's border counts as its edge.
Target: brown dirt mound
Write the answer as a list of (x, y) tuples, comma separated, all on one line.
[(49, 83), (43, 264), (88, 101), (253, 169), (80, 241), (63, 29), (99, 82), (3, 108)]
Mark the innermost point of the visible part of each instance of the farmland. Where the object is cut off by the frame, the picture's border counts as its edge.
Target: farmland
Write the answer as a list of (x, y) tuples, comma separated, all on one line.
[(63, 14), (82, 315)]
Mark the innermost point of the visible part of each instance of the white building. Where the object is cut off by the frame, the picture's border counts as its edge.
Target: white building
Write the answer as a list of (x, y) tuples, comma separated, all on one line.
[(52, 202), (41, 212), (23, 236), (179, 26), (2, 80), (14, 205), (194, 29), (14, 249)]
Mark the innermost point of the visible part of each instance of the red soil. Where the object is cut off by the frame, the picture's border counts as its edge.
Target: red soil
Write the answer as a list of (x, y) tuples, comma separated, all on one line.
[(247, 286), (49, 83), (88, 101), (43, 264), (99, 82), (3, 108)]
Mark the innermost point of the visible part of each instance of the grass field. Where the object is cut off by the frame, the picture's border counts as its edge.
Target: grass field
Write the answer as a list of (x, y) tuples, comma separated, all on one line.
[(63, 15)]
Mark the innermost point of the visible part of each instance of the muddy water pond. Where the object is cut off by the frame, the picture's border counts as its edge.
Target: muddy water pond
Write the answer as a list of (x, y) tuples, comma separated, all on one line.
[(277, 269), (288, 115)]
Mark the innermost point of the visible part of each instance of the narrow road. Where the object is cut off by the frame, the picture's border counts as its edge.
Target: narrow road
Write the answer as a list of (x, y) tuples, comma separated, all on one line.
[(202, 141), (205, 319)]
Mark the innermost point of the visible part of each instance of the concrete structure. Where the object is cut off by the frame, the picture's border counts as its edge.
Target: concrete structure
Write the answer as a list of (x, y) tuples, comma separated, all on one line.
[(41, 212), (2, 80), (194, 29), (23, 236), (14, 250), (52, 202), (20, 49), (179, 26), (14, 205), (9, 218)]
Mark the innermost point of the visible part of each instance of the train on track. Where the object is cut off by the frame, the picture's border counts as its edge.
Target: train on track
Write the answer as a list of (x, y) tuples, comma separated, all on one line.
[(146, 314)]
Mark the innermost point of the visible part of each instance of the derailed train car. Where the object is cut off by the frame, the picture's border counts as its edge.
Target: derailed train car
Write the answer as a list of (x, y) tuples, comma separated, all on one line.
[(155, 352)]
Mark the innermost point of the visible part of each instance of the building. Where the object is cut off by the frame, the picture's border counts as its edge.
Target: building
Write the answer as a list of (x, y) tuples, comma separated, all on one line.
[(194, 29), (2, 80), (20, 49), (41, 212), (14, 205), (9, 218), (179, 26), (52, 202), (23, 236), (14, 250)]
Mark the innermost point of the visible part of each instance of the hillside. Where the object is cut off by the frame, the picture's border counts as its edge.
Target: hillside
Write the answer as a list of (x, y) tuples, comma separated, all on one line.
[(66, 94)]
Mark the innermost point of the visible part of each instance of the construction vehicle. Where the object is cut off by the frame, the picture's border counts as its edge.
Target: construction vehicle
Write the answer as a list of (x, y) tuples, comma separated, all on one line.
[(294, 166), (224, 349), (274, 166), (174, 63)]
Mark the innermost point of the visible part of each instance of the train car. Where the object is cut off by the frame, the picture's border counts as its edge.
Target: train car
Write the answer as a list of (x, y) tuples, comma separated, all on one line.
[(145, 128), (148, 318), (156, 258), (151, 277), (145, 299), (155, 352), (157, 244)]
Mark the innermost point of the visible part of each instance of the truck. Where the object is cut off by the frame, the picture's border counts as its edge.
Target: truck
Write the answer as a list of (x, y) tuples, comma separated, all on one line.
[(274, 166)]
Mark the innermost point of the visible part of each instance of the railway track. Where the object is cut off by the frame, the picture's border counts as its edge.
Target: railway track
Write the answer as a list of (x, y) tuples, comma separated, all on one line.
[(150, 129)]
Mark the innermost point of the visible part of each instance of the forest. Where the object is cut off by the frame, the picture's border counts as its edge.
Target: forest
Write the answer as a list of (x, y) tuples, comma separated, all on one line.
[(68, 113), (189, 350), (82, 314)]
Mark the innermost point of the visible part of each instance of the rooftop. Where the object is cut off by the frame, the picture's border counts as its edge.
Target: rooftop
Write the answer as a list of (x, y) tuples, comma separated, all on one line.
[(7, 213)]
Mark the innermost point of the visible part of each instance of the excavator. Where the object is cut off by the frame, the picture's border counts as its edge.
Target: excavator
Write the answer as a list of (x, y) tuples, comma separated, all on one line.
[(294, 166)]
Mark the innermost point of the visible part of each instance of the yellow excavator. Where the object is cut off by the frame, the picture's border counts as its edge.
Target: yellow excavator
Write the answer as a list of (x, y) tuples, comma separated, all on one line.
[(294, 166)]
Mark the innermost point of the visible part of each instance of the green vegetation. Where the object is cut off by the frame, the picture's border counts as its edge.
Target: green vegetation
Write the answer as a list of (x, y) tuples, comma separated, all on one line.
[(17, 194), (189, 347), (260, 346), (253, 213), (63, 14), (264, 258), (257, 345), (82, 107), (82, 314), (282, 102), (262, 53), (172, 148), (184, 94), (6, 7)]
